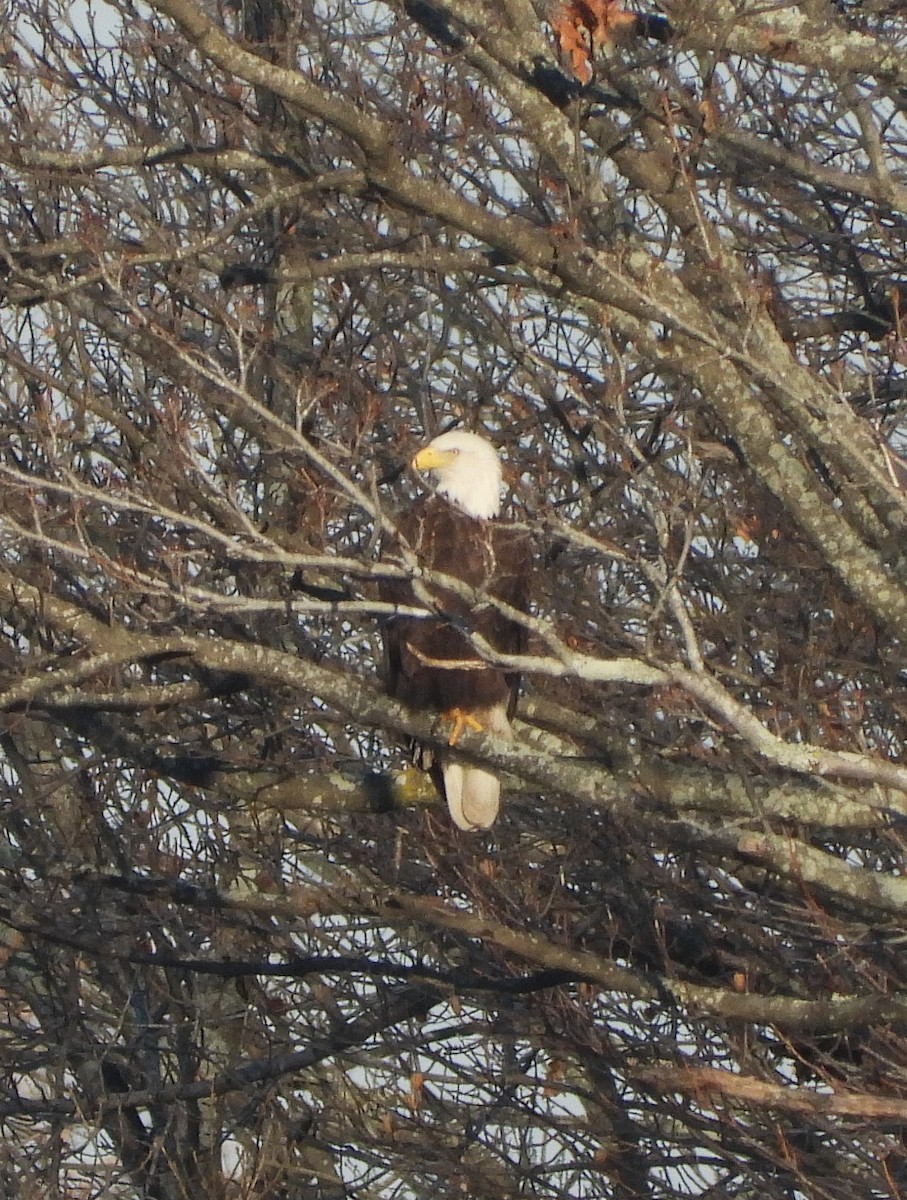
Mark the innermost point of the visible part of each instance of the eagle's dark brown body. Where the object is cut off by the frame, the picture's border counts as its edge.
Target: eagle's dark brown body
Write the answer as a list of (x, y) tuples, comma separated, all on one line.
[(494, 560), (491, 558)]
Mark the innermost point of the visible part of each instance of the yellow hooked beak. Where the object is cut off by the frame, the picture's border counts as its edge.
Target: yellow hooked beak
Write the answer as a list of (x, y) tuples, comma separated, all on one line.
[(430, 458)]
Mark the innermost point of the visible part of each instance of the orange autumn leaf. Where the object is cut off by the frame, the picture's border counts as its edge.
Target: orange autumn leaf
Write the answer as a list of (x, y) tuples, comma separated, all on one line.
[(414, 1097), (709, 114), (584, 24), (748, 528), (573, 45), (555, 1074)]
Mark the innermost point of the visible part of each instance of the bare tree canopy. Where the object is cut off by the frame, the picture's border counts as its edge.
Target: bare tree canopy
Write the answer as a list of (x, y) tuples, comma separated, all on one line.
[(252, 255)]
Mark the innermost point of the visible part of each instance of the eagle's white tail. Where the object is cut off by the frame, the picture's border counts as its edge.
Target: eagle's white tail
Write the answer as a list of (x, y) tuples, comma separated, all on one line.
[(473, 794)]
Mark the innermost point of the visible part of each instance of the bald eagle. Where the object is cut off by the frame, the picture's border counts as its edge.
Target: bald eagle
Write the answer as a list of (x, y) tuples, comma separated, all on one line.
[(431, 664)]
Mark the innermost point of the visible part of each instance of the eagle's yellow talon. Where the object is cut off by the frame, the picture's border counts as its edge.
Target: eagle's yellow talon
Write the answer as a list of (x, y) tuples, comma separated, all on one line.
[(461, 720)]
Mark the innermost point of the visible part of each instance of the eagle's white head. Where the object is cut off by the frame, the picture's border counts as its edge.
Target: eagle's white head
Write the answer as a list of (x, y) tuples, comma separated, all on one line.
[(467, 470)]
